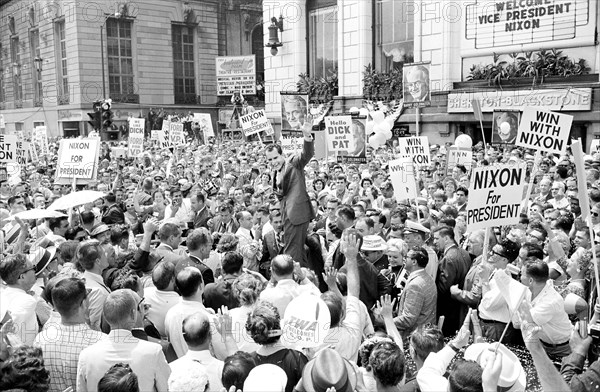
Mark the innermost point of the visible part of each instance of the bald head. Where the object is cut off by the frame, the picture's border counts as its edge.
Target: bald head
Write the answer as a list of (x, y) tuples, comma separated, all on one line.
[(196, 330), (282, 266)]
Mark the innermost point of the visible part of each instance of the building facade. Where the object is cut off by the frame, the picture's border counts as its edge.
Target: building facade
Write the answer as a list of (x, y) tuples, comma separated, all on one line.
[(59, 56), (460, 39)]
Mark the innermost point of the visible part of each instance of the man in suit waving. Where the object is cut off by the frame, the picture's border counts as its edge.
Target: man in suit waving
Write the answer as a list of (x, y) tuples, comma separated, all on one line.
[(289, 185)]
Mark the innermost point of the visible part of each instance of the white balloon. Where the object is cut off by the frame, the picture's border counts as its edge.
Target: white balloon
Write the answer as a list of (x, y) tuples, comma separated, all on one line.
[(363, 112), (388, 134), (390, 120), (464, 141), (374, 141), (369, 127), (354, 109), (386, 126), (381, 137), (378, 116)]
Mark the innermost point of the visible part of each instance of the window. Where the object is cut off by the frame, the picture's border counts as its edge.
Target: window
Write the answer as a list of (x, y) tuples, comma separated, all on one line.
[(323, 41), (38, 124), (395, 34), (15, 54), (62, 73), (120, 58), (70, 128), (183, 64), (36, 67)]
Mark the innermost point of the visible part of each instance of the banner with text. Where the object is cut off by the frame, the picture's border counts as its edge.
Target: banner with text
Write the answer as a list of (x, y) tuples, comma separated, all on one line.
[(544, 130), (349, 138), (417, 148), (204, 122), (39, 138), (339, 136), (22, 152), (77, 158), (495, 196), (236, 73), (135, 143), (176, 136), (458, 156), (289, 145), (595, 146), (402, 174), (8, 148), (256, 122)]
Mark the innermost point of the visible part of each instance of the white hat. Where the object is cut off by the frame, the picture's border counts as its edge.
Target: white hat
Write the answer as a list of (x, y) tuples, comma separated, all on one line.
[(373, 242), (512, 376), (266, 378)]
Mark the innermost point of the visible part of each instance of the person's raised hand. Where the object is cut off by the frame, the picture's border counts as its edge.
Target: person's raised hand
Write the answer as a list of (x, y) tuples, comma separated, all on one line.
[(329, 276), (224, 321), (477, 332), (349, 245), (385, 306), (151, 225), (307, 127), (462, 337), (492, 370), (579, 344)]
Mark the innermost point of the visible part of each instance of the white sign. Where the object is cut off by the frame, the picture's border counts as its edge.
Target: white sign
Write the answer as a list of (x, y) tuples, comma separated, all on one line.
[(39, 139), (289, 145), (2, 122), (256, 122), (236, 73), (402, 174), (135, 143), (154, 135), (77, 158), (8, 148), (595, 146), (493, 25), (417, 148), (458, 156), (339, 133), (204, 121), (495, 196), (176, 136), (119, 152), (544, 130), (576, 99), (22, 151)]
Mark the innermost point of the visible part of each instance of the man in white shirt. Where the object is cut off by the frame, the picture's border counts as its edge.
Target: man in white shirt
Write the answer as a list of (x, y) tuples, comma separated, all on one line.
[(19, 275), (162, 296), (558, 201), (146, 359), (190, 285), (286, 288), (179, 210), (196, 332), (547, 309), (93, 259), (248, 244)]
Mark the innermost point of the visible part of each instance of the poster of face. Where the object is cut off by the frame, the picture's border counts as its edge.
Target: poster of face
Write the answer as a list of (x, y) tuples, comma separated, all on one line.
[(294, 110), (357, 151), (416, 82), (505, 124)]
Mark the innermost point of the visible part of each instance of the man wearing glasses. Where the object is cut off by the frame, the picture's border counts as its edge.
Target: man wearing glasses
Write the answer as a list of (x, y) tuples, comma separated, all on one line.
[(19, 275), (493, 309)]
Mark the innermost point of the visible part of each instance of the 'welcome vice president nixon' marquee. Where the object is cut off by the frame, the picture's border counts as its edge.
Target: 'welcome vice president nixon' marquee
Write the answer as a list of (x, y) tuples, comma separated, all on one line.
[(528, 25)]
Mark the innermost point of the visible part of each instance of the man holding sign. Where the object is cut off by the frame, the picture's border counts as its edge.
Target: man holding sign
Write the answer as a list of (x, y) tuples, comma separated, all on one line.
[(289, 186)]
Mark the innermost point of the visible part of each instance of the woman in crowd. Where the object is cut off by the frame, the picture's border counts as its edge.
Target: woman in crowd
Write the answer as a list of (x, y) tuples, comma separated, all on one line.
[(246, 288)]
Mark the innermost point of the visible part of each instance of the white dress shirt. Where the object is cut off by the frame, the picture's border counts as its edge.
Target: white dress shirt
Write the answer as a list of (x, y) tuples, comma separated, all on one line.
[(22, 309), (146, 360), (548, 312), (96, 297), (160, 302), (493, 306), (244, 341), (174, 323), (285, 291), (213, 367)]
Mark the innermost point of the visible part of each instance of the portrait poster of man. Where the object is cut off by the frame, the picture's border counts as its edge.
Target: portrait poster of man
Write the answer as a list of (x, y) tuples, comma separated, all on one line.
[(415, 85), (294, 110), (505, 124), (357, 148)]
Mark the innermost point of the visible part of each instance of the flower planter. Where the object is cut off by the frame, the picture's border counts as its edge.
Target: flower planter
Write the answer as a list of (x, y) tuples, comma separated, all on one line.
[(528, 81)]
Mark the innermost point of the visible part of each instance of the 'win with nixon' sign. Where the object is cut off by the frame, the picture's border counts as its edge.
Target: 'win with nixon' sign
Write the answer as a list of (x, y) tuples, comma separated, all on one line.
[(402, 175), (417, 148), (256, 122), (495, 196), (544, 130)]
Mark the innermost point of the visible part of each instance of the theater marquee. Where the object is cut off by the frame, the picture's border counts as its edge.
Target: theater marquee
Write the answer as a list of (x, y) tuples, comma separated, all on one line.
[(528, 25)]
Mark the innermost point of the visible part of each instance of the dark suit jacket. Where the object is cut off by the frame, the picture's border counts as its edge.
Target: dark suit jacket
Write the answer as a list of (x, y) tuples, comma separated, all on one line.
[(113, 215), (201, 218), (295, 204), (191, 261), (271, 247), (220, 293), (372, 283), (216, 225)]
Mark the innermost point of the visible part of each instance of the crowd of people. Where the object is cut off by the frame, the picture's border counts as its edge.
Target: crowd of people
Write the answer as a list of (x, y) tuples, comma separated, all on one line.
[(178, 278)]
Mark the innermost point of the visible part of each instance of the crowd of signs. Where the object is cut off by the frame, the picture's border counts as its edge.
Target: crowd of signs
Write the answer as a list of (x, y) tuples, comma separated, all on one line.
[(495, 196)]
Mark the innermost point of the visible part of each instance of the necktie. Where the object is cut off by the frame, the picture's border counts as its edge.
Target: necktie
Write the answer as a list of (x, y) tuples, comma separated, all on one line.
[(251, 234)]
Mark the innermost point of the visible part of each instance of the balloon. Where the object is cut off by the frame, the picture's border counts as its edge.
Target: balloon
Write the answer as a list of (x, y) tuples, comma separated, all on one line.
[(378, 116), (369, 127), (390, 120), (381, 137), (388, 134), (363, 112), (464, 141), (386, 126), (354, 109), (376, 140)]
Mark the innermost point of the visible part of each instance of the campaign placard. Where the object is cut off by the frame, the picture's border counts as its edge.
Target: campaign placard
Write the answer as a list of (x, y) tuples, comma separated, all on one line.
[(458, 156), (8, 148), (77, 158), (416, 82), (204, 122), (256, 122), (289, 145), (22, 151), (135, 142), (495, 196), (417, 148), (339, 134), (39, 138), (154, 135), (164, 141), (544, 130), (176, 136), (595, 146), (402, 174)]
